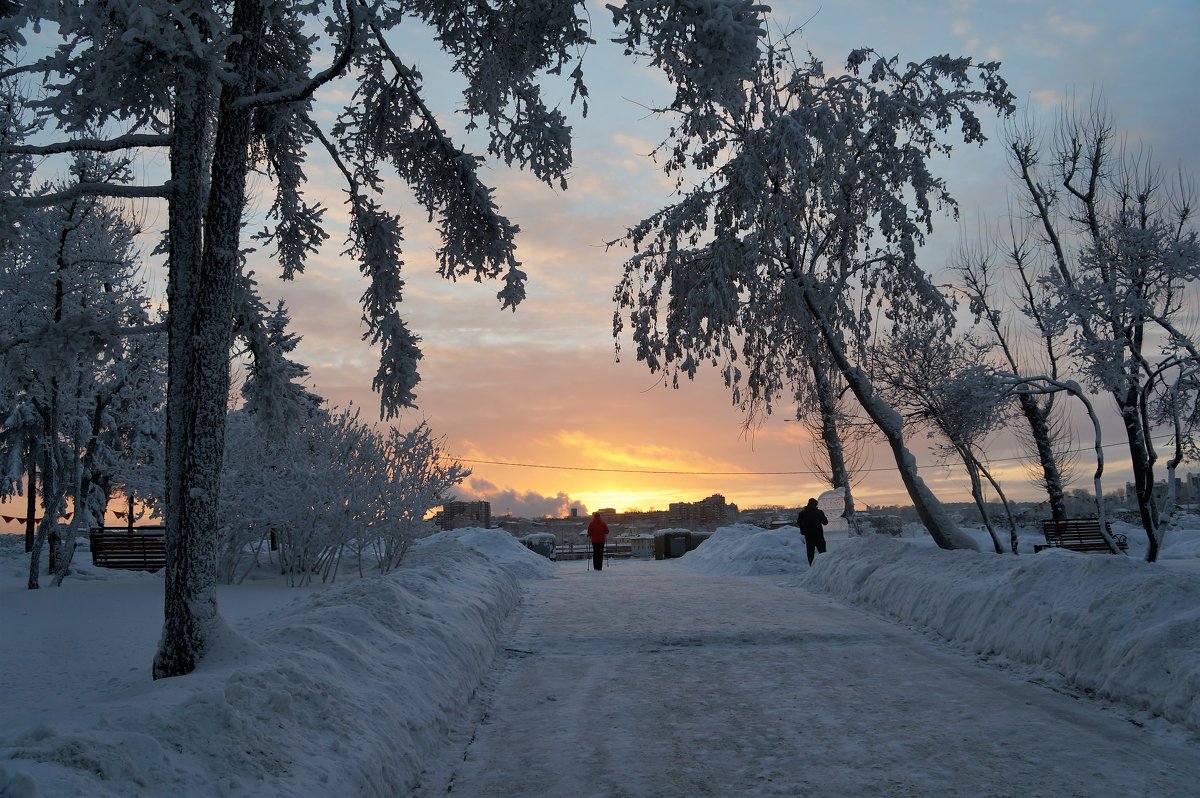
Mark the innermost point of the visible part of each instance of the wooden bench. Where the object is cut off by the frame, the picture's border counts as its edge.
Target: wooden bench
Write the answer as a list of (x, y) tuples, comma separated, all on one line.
[(1079, 534), (143, 549)]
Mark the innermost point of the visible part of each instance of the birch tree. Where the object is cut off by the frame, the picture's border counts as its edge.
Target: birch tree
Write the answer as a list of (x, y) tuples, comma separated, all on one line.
[(1125, 257), (980, 280), (812, 194), (943, 383)]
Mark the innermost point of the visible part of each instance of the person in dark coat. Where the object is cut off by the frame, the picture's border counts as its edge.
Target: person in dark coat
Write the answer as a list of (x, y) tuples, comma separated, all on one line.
[(812, 523), (597, 533)]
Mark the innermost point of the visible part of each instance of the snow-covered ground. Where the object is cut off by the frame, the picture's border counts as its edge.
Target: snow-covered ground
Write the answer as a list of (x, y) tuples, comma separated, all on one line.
[(735, 670)]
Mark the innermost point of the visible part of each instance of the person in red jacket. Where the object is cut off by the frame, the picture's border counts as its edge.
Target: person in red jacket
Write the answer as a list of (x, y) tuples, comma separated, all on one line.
[(598, 534)]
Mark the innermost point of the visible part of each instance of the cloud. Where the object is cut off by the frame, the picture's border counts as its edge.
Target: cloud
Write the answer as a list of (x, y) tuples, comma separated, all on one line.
[(528, 504), (1073, 28), (541, 386), (1047, 99)]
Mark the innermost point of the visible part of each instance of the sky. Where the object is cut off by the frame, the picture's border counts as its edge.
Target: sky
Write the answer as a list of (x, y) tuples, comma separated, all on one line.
[(544, 387), (900, 669)]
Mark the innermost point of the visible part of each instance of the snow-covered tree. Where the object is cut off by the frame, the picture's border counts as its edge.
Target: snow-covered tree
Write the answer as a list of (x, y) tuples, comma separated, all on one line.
[(943, 383), (803, 199), (332, 489), (225, 87), (1124, 259), (70, 378), (220, 88), (1047, 442)]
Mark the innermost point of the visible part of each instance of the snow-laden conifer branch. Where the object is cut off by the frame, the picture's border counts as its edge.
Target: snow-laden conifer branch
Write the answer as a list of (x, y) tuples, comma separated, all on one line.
[(375, 239), (304, 90), (78, 190), (126, 142), (502, 49), (298, 231), (477, 240)]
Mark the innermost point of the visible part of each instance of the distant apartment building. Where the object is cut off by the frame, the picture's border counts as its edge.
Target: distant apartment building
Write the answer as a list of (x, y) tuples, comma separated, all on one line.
[(1187, 490), (706, 512), (457, 515)]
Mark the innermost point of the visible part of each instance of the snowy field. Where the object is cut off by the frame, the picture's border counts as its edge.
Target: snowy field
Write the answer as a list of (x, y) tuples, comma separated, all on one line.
[(388, 685)]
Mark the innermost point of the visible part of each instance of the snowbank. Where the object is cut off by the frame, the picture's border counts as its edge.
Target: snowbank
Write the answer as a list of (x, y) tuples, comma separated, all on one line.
[(499, 547), (1117, 626), (345, 691), (746, 550)]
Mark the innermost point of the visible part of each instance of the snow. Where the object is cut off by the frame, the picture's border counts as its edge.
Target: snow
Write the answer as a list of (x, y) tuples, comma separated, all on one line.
[(481, 666), (1115, 626)]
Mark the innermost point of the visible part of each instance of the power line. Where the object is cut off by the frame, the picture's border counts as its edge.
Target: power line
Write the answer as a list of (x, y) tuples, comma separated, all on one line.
[(637, 471), (718, 473)]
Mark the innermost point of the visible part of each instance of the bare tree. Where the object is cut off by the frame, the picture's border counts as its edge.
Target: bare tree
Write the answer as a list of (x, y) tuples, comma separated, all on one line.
[(943, 383), (1044, 437), (1122, 251)]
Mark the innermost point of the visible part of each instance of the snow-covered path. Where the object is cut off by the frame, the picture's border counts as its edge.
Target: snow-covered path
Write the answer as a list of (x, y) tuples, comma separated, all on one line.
[(650, 679)]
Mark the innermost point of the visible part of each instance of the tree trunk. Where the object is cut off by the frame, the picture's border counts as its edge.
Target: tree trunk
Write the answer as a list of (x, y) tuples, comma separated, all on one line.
[(980, 504), (831, 435), (46, 536), (942, 529), (1012, 524), (199, 340), (1143, 476), (86, 510), (31, 496), (1039, 428), (1177, 457), (177, 650)]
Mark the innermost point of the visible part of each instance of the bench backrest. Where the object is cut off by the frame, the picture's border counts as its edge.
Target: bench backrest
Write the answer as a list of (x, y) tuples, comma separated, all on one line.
[(144, 549), (1081, 534), (1073, 526)]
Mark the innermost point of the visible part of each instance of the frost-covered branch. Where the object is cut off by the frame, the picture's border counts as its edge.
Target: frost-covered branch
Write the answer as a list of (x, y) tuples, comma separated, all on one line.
[(79, 190), (304, 90), (126, 142)]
